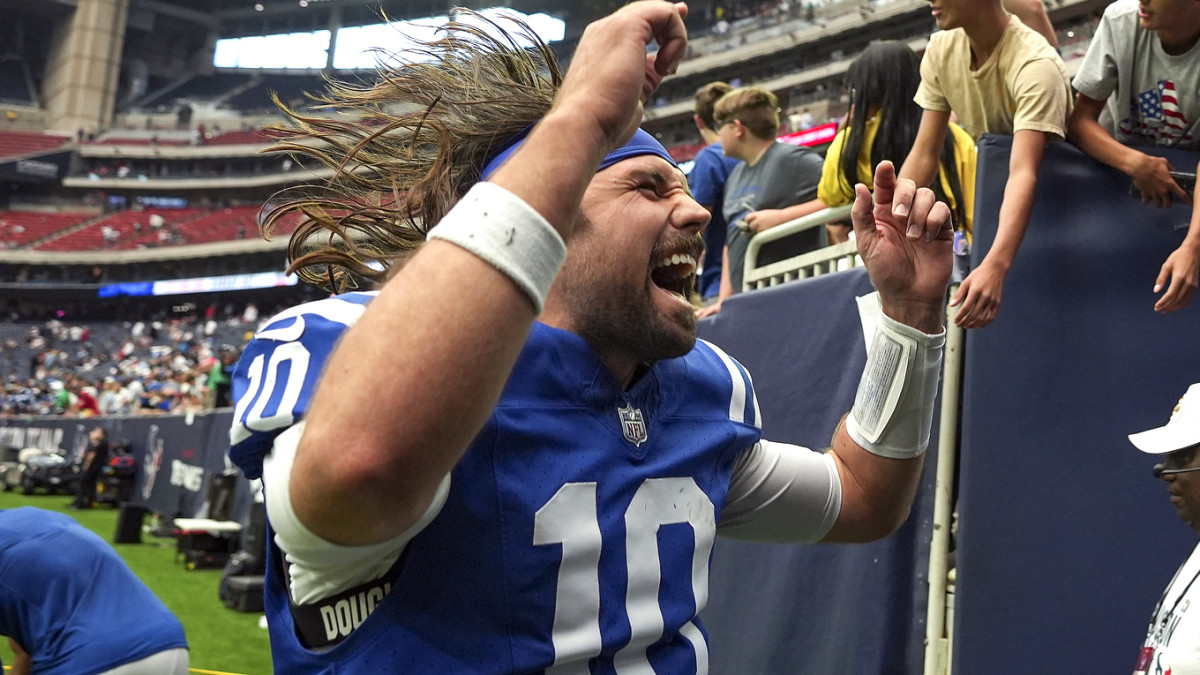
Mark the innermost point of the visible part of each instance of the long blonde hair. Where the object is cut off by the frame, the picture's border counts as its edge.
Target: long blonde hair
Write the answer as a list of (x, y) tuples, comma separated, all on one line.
[(405, 148)]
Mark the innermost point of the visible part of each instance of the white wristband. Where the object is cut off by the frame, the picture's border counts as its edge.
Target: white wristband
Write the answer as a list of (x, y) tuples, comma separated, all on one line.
[(893, 408), (509, 234)]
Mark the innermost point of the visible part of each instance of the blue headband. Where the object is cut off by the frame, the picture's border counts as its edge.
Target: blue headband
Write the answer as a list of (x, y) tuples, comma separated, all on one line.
[(642, 143)]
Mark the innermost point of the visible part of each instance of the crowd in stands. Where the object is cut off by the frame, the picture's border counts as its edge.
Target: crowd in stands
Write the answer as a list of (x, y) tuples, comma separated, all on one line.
[(159, 366), (127, 231), (990, 72)]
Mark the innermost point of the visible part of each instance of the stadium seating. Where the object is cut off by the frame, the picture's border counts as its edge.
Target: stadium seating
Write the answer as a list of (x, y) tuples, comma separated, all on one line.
[(289, 88), (240, 137), (685, 152), (92, 236), (18, 143), (18, 228), (231, 224)]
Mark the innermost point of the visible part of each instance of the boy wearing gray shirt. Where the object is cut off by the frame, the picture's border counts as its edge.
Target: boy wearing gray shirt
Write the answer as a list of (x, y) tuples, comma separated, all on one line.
[(1139, 84), (772, 175)]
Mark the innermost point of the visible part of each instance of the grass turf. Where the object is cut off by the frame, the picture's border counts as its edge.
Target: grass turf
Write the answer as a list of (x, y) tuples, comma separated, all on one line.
[(219, 639)]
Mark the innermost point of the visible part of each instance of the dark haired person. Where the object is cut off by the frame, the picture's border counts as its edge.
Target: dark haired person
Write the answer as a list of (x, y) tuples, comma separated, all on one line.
[(95, 456), (882, 125), (516, 455), (1172, 643)]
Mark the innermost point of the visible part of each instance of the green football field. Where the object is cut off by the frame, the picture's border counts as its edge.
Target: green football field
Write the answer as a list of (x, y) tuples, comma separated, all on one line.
[(221, 640)]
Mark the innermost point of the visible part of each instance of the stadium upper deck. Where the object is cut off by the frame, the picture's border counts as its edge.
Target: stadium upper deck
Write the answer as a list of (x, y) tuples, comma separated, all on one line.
[(197, 140)]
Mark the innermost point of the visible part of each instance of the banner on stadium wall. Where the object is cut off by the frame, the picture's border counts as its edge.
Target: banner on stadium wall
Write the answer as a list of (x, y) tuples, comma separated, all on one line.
[(173, 461), (48, 168), (175, 454), (818, 135)]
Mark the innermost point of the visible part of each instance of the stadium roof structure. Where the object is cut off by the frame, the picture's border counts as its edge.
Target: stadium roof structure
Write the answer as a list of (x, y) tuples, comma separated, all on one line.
[(241, 18)]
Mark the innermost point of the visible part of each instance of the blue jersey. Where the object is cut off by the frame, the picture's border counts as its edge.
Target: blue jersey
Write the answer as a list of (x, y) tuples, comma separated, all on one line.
[(70, 601), (710, 170), (578, 528)]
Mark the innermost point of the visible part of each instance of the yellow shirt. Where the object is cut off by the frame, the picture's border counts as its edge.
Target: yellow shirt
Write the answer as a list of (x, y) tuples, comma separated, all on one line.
[(833, 192), (1022, 85)]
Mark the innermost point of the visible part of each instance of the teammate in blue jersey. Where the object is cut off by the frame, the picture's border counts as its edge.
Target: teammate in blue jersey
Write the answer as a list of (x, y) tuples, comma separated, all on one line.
[(515, 455), (69, 605)]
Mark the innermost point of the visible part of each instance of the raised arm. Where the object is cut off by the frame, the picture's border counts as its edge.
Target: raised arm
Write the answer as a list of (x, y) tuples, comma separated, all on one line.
[(1151, 175), (413, 381), (1032, 13), (904, 237)]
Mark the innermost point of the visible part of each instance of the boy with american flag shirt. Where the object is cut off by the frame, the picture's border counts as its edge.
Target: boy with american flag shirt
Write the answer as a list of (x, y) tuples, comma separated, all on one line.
[(1139, 84)]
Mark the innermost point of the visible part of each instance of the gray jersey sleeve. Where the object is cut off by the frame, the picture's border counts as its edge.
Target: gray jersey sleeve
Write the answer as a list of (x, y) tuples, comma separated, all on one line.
[(781, 493)]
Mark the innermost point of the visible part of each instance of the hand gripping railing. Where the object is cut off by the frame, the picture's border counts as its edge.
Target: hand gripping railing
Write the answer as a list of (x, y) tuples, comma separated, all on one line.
[(814, 263)]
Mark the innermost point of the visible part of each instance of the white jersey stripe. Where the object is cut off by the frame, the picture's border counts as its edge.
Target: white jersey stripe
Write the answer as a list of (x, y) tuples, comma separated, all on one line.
[(692, 634), (754, 400), (333, 309), (737, 399)]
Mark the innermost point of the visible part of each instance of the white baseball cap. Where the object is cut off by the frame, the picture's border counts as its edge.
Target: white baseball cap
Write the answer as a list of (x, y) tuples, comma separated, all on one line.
[(1181, 431)]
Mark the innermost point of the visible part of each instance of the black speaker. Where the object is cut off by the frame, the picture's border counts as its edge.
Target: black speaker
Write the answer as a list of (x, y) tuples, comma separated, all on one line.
[(129, 523), (256, 531), (222, 489)]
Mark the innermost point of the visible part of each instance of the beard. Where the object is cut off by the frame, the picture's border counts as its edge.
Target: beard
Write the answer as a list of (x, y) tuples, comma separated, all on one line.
[(618, 316), (624, 320)]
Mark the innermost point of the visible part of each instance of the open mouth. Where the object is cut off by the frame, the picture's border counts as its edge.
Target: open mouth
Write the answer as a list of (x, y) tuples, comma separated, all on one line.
[(675, 274)]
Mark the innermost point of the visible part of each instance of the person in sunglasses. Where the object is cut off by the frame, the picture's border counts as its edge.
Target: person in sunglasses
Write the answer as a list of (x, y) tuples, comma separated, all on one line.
[(1171, 645)]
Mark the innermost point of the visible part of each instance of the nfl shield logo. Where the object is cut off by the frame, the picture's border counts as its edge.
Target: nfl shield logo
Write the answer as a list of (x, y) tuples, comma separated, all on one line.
[(632, 424)]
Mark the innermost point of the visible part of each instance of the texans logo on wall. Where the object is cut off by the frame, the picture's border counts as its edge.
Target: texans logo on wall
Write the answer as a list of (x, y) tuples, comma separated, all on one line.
[(152, 462)]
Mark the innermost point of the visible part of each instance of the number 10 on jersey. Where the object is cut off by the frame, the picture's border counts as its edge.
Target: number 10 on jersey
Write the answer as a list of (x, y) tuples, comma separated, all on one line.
[(570, 519)]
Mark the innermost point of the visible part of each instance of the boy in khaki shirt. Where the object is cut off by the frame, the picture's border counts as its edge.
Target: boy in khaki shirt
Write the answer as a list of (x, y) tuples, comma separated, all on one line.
[(998, 76)]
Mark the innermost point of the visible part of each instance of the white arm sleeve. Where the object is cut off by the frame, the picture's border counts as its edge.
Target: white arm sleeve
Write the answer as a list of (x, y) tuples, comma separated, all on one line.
[(781, 493), (320, 568)]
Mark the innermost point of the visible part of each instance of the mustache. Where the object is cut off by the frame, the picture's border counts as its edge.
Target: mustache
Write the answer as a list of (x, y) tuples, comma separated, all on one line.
[(679, 243)]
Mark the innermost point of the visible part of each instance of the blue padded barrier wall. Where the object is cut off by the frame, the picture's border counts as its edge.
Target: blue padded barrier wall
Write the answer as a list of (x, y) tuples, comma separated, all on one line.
[(175, 454), (1065, 539), (828, 609)]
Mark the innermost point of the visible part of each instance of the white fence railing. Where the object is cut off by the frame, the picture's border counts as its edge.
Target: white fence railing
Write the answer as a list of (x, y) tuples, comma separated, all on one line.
[(811, 264)]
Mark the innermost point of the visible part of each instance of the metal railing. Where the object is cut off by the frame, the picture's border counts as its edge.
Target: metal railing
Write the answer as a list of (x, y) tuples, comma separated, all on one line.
[(939, 617), (811, 264)]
